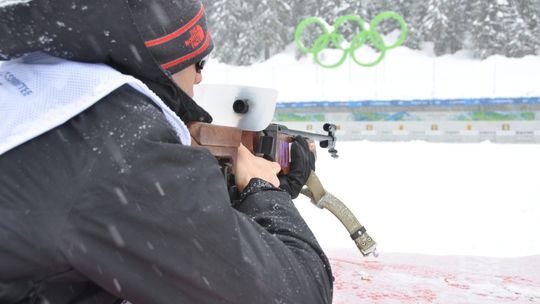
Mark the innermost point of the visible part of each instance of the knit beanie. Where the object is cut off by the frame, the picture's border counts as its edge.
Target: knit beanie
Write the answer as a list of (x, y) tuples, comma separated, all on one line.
[(174, 31)]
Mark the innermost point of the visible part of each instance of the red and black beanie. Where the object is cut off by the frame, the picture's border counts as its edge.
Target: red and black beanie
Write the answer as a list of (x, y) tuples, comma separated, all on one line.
[(174, 31)]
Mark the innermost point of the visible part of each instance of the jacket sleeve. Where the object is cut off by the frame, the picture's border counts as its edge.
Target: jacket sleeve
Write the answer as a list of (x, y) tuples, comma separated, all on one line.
[(152, 221)]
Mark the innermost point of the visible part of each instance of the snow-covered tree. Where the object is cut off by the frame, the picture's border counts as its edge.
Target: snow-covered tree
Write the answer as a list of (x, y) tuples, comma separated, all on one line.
[(529, 10), (251, 30), (443, 25), (301, 9), (245, 32), (418, 9), (498, 29), (228, 21), (331, 10), (399, 6), (272, 26)]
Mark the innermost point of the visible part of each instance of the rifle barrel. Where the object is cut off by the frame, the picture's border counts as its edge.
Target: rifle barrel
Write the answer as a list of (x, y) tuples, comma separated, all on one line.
[(314, 136)]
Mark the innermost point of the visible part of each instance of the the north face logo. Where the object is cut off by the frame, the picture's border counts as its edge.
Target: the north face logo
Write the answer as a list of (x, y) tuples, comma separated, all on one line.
[(196, 36)]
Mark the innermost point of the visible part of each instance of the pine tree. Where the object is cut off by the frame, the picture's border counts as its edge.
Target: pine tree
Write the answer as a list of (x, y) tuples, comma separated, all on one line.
[(228, 23), (417, 10), (456, 33), (467, 26), (271, 28), (529, 10), (388, 25), (441, 24), (331, 10), (301, 9), (498, 29), (249, 31)]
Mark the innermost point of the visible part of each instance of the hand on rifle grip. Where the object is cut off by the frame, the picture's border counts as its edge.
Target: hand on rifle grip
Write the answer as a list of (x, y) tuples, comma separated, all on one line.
[(249, 166), (302, 162)]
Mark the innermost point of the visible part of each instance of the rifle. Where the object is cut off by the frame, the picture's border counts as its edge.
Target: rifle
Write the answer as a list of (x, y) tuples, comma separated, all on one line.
[(273, 143)]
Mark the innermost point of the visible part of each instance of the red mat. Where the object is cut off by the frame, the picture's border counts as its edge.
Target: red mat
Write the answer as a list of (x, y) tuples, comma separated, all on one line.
[(415, 278)]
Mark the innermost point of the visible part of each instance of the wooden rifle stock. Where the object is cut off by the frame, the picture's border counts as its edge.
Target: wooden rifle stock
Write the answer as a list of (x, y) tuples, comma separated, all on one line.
[(272, 143)]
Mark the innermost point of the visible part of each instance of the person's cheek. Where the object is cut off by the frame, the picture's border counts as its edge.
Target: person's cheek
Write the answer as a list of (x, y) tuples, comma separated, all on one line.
[(198, 78)]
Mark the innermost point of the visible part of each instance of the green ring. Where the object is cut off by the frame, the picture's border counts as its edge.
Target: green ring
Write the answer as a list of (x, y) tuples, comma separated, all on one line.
[(357, 42), (300, 30), (339, 22), (392, 15), (381, 54)]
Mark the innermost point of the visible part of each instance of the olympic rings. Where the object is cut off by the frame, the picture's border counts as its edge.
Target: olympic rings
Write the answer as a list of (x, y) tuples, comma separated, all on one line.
[(331, 36)]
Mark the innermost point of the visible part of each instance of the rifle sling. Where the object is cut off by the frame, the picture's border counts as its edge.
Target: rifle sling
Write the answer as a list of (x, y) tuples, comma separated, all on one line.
[(322, 199)]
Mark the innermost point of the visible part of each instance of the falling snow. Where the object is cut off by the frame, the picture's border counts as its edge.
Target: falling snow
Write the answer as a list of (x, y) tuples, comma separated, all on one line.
[(117, 285), (160, 190), (44, 39), (116, 236), (121, 196)]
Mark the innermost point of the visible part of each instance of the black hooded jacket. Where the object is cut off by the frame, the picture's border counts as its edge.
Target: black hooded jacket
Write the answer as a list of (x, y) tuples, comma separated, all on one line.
[(110, 205)]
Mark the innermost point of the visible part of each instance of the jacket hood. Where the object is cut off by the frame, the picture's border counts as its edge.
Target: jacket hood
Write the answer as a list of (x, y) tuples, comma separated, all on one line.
[(96, 31)]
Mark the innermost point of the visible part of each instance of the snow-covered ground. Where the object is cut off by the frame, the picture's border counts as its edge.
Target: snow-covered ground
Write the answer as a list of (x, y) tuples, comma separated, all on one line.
[(416, 197), (434, 198)]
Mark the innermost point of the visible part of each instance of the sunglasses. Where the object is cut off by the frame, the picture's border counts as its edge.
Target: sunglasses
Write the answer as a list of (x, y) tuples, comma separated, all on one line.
[(200, 65)]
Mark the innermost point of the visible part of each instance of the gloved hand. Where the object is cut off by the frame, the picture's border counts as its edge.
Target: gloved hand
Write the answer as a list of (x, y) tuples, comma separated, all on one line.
[(302, 162)]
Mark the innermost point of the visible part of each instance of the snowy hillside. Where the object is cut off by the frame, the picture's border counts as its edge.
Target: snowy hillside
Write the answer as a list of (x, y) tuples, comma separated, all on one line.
[(403, 74)]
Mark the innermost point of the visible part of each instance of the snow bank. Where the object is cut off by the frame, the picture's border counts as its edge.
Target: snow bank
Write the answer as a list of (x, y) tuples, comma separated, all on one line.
[(403, 74)]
